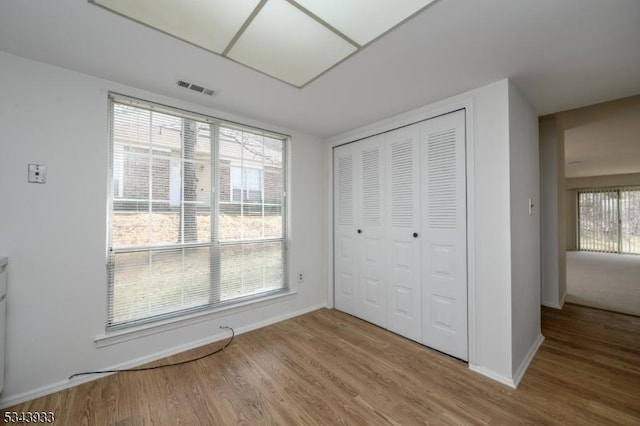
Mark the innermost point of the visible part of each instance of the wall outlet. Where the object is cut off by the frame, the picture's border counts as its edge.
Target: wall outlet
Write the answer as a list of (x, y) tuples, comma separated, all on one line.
[(300, 277), (37, 173)]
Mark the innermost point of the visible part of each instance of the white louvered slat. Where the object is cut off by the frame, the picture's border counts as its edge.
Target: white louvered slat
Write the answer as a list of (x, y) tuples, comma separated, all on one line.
[(441, 161), (345, 190), (402, 184), (371, 194)]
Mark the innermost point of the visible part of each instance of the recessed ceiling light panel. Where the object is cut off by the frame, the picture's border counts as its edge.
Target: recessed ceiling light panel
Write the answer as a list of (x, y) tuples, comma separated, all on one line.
[(292, 40), (210, 24), (288, 44), (363, 20)]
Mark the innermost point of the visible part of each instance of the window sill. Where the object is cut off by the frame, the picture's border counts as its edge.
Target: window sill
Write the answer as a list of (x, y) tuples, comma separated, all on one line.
[(120, 336)]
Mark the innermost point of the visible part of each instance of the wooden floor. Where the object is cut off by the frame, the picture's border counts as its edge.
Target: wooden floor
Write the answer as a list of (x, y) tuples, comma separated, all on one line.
[(330, 368)]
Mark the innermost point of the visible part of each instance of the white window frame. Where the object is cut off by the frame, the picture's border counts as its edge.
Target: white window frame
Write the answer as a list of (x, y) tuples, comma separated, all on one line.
[(162, 321)]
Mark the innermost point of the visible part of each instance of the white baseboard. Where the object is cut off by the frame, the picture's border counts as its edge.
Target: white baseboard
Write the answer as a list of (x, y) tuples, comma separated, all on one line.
[(563, 299), (223, 335), (552, 305), (493, 375), (556, 305), (512, 382), (527, 360)]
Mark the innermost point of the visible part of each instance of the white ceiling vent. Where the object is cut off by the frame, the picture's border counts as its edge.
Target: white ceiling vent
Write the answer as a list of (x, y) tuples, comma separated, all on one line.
[(196, 88)]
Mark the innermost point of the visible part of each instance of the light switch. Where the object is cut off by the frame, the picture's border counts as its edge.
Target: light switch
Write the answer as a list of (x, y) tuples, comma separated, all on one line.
[(37, 173)]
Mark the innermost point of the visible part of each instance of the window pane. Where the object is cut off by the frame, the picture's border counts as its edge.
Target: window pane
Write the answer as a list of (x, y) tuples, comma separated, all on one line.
[(251, 169), (152, 283), (630, 221), (250, 268), (273, 221), (164, 226), (164, 260), (598, 216)]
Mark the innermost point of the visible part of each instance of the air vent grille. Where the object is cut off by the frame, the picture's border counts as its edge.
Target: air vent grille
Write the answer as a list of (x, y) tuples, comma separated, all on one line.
[(196, 88)]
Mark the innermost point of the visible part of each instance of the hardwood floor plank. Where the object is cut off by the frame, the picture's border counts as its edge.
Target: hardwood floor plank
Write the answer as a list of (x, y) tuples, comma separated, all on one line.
[(327, 367)]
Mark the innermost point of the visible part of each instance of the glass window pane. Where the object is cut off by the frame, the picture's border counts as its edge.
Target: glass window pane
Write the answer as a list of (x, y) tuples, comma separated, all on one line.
[(630, 221), (250, 268), (164, 226), (598, 216), (153, 283), (164, 260), (130, 228)]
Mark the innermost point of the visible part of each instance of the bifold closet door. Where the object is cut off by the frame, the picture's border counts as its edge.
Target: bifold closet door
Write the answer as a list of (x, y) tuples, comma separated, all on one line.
[(403, 235), (359, 246), (345, 236), (370, 221), (444, 243), (400, 254)]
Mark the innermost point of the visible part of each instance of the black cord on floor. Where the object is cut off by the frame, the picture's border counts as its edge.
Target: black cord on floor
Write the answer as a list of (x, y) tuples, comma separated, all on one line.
[(125, 370)]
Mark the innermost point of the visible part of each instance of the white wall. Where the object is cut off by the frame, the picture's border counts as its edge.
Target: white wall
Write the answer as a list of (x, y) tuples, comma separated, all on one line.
[(55, 234), (525, 231), (489, 210), (552, 214)]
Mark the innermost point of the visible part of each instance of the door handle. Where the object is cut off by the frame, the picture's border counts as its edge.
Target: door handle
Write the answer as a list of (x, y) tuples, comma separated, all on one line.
[(359, 231), (415, 235)]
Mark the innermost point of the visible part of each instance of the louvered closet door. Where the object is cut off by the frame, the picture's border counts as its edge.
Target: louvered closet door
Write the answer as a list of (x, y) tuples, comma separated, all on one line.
[(444, 243), (345, 236), (403, 248), (370, 222)]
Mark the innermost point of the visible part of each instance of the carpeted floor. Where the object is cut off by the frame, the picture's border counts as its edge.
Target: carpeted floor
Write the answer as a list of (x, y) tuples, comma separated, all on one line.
[(605, 281)]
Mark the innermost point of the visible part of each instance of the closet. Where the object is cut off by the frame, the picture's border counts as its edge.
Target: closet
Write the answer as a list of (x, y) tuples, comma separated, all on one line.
[(400, 255)]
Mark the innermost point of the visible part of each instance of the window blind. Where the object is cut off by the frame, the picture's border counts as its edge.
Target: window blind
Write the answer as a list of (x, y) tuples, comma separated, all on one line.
[(609, 220), (179, 239)]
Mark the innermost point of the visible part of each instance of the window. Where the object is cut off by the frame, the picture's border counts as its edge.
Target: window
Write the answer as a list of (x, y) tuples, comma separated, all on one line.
[(180, 240), (246, 184), (609, 220), (118, 176)]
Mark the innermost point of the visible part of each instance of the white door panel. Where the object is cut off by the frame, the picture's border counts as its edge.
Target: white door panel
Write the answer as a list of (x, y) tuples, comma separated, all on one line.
[(403, 293), (372, 265), (345, 237), (444, 243)]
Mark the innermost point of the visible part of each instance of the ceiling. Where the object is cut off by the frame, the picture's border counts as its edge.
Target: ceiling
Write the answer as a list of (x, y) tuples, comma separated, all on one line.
[(602, 139), (561, 54), (292, 40)]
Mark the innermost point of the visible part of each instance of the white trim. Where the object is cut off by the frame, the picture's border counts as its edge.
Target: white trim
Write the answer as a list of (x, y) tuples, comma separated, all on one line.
[(330, 232), (514, 381), (552, 305), (120, 336), (158, 106), (472, 318), (492, 375), (556, 305), (563, 299), (66, 384), (404, 119), (527, 360)]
